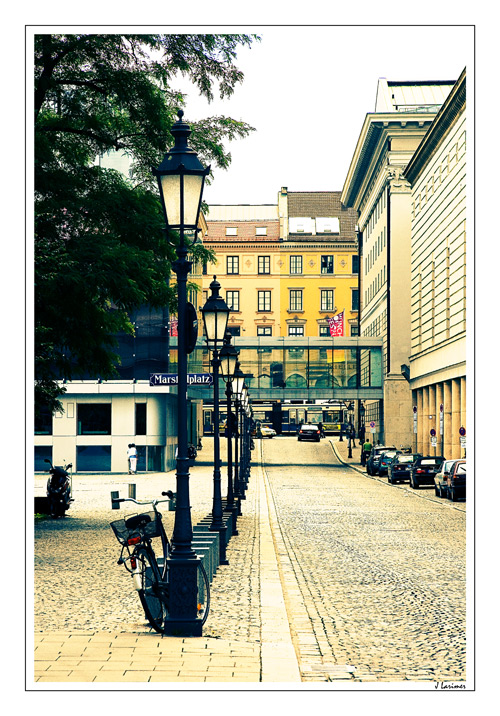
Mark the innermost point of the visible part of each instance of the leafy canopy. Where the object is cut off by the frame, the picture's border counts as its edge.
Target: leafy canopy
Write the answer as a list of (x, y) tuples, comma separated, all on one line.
[(100, 245)]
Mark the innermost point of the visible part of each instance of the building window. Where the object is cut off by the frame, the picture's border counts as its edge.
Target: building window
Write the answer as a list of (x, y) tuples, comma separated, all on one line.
[(354, 299), (140, 419), (264, 331), (264, 300), (232, 264), (42, 452), (296, 300), (355, 264), (43, 422), (234, 330), (231, 231), (324, 331), (295, 330), (261, 231), (93, 458), (327, 225), (295, 264), (354, 329), (204, 269), (264, 264), (327, 264), (94, 418), (327, 303), (233, 300)]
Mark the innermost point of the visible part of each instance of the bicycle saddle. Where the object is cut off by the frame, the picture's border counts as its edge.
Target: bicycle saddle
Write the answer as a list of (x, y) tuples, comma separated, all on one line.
[(137, 521)]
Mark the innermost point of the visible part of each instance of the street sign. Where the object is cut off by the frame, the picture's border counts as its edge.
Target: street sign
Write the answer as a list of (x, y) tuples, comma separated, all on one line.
[(433, 432), (434, 441), (172, 379), (462, 432), (372, 425)]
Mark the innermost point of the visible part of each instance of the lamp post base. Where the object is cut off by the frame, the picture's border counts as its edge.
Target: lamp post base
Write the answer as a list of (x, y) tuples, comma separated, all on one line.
[(182, 618), (223, 540), (182, 627)]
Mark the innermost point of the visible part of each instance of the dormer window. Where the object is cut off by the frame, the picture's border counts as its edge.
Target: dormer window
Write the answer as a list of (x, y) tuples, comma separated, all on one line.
[(327, 225), (231, 231), (261, 231)]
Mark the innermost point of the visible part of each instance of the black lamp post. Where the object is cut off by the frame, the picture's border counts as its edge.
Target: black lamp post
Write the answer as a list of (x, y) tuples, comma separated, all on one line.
[(215, 313), (237, 390), (181, 177), (350, 412), (244, 441), (228, 357)]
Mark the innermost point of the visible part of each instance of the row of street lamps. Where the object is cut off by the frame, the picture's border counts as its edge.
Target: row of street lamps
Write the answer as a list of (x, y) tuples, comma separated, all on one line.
[(181, 178)]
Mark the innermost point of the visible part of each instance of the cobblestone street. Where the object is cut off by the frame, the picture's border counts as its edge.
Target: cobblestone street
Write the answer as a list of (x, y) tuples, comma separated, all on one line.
[(372, 575)]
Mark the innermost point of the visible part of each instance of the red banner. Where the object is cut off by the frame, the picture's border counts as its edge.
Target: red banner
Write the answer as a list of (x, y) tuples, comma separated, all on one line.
[(173, 327), (337, 325)]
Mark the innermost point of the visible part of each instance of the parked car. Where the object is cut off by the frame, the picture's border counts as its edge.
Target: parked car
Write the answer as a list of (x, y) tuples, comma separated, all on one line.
[(267, 432), (441, 479), (400, 467), (424, 469), (386, 459), (309, 431), (373, 460), (456, 480)]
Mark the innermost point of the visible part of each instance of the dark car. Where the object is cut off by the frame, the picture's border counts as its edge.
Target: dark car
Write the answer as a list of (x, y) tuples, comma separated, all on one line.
[(424, 470), (456, 480), (400, 467), (374, 459), (309, 431), (441, 479), (386, 459)]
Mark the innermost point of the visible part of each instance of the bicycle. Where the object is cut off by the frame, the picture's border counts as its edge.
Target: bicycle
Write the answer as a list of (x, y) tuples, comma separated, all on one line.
[(149, 574)]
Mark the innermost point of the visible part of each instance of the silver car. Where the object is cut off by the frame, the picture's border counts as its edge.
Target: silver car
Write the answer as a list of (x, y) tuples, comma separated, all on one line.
[(441, 479)]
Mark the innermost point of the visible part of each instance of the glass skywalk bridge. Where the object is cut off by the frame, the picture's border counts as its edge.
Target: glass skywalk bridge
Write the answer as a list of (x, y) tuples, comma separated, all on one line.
[(299, 368)]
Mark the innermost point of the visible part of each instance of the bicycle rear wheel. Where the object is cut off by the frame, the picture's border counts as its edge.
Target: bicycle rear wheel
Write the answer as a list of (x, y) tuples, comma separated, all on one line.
[(203, 594), (150, 594)]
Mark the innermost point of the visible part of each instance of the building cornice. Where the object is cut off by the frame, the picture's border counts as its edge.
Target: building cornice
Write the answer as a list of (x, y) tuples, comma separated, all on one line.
[(377, 128), (444, 120)]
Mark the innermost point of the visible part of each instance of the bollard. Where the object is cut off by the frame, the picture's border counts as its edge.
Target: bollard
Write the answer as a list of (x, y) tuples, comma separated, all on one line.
[(131, 491), (115, 505)]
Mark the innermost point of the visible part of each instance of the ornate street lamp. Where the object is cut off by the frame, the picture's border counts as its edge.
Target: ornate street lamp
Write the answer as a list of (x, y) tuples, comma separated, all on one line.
[(229, 357), (215, 313), (181, 177)]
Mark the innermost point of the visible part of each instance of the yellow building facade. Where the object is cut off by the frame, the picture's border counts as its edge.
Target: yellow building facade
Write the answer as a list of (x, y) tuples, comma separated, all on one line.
[(285, 268)]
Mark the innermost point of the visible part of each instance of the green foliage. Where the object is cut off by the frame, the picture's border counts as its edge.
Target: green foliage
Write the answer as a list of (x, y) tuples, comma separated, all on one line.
[(100, 245)]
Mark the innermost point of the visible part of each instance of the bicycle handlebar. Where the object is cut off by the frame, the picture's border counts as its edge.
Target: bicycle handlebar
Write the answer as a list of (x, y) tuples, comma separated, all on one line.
[(168, 494)]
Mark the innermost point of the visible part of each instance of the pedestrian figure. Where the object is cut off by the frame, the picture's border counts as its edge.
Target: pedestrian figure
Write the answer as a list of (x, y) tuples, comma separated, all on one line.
[(132, 459), (365, 452), (361, 435), (321, 430)]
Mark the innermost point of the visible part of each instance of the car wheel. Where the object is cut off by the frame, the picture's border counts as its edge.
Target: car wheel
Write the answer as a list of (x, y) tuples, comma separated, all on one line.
[(413, 483), (453, 495), (437, 491)]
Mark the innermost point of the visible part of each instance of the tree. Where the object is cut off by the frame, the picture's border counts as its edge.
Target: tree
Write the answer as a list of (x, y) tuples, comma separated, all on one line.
[(100, 245)]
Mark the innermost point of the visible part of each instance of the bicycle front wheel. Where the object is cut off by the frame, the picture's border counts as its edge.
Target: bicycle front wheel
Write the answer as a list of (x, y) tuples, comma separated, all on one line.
[(150, 594)]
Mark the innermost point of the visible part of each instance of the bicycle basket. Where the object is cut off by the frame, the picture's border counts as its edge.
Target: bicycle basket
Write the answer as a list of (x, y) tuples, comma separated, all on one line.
[(150, 530)]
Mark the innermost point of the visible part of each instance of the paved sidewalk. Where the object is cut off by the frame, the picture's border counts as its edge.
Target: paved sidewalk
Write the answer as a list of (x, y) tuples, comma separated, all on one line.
[(247, 604)]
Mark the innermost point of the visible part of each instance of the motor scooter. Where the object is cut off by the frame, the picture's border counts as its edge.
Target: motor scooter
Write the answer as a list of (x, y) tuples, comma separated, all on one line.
[(59, 489)]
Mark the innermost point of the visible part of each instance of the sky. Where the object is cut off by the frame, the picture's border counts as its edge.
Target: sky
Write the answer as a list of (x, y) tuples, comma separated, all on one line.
[(307, 91)]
